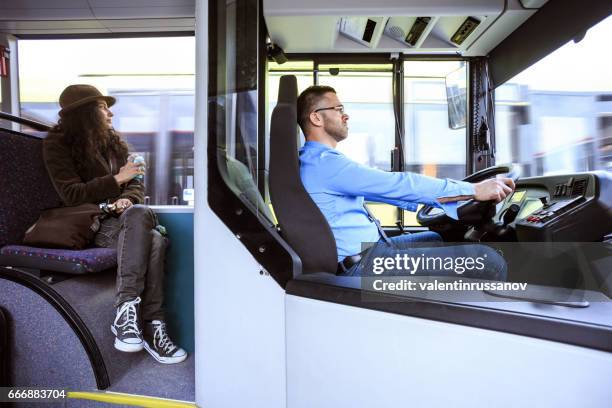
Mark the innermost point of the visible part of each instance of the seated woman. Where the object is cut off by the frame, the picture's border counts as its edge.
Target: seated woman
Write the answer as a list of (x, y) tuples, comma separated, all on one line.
[(88, 163)]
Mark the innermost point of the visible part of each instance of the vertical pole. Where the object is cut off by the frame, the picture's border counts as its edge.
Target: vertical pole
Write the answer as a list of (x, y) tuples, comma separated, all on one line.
[(398, 108), (10, 84), (481, 123), (163, 152), (202, 224), (262, 92), (474, 119)]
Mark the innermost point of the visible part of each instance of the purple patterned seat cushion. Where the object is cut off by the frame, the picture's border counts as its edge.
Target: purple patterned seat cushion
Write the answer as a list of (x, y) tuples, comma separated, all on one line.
[(26, 191), (83, 261)]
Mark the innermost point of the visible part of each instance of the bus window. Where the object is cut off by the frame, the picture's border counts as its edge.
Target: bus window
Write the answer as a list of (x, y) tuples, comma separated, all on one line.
[(373, 121), (155, 98), (366, 90), (431, 147), (304, 73), (554, 117)]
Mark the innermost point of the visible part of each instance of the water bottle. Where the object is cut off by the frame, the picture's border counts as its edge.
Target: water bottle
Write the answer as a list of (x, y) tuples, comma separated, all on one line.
[(136, 158)]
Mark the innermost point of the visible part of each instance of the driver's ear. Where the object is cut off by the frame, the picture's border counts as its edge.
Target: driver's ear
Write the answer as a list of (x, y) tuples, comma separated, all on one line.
[(315, 119)]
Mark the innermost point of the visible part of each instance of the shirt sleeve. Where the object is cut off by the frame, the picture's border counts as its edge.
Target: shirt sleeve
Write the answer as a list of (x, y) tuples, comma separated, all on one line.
[(133, 191), (351, 178)]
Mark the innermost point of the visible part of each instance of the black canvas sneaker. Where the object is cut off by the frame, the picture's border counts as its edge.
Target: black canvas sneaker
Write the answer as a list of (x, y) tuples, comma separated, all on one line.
[(159, 345), (128, 336)]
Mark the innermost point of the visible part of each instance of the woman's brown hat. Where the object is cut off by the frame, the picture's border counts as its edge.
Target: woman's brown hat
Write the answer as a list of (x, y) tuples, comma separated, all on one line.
[(78, 95)]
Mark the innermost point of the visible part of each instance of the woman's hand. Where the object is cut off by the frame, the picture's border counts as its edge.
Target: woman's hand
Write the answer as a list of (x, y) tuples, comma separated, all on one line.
[(121, 205), (128, 172)]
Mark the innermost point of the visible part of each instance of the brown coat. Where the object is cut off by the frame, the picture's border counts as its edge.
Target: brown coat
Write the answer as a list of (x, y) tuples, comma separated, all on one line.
[(95, 184)]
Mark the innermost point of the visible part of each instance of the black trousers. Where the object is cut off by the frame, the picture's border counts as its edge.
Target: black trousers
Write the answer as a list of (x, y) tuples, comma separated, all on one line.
[(141, 254)]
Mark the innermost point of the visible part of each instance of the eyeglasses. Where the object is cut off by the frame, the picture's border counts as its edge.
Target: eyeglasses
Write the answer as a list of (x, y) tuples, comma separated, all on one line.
[(339, 108)]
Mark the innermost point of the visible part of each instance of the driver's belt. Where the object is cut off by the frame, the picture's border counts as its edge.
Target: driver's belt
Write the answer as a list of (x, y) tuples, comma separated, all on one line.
[(381, 232)]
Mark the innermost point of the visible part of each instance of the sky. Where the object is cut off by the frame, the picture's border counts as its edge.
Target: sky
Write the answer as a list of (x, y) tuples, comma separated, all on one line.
[(585, 66)]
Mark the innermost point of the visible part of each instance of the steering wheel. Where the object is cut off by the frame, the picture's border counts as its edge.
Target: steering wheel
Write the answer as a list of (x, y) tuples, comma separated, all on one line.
[(472, 211)]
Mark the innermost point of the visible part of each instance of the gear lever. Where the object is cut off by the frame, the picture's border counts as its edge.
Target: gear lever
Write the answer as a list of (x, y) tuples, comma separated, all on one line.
[(510, 214)]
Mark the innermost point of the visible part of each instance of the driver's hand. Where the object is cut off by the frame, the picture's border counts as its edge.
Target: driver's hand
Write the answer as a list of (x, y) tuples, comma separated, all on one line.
[(495, 189)]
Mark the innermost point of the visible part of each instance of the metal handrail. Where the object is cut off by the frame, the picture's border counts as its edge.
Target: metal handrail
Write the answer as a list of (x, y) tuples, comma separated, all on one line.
[(31, 123)]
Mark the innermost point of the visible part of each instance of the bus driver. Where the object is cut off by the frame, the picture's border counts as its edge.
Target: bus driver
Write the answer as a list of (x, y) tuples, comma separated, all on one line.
[(339, 187)]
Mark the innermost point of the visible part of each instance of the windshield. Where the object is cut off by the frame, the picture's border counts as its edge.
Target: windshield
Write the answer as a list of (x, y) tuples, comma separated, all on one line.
[(556, 116)]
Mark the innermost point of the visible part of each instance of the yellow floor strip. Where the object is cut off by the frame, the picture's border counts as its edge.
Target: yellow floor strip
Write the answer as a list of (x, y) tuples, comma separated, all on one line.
[(130, 399)]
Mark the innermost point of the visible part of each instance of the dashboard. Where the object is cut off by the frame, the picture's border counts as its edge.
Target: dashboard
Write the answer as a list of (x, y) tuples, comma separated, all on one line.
[(572, 207)]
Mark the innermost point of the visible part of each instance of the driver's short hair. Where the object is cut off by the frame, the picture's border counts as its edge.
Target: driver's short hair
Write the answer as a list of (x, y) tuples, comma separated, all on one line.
[(307, 101)]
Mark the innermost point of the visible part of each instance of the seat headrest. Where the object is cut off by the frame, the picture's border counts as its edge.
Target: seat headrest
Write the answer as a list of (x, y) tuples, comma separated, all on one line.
[(287, 89)]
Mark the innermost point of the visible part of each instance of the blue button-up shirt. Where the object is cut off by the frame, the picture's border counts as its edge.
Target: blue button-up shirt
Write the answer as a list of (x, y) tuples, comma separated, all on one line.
[(339, 187)]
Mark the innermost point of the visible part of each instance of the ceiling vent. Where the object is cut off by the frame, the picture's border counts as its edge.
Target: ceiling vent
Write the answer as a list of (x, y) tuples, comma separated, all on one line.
[(364, 30), (579, 187), (408, 30), (464, 30)]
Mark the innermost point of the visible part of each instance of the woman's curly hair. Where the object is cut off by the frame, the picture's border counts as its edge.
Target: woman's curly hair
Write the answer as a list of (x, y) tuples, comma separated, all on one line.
[(85, 131)]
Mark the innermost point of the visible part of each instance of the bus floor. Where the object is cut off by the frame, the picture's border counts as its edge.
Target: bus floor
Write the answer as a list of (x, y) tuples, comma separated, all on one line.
[(92, 296)]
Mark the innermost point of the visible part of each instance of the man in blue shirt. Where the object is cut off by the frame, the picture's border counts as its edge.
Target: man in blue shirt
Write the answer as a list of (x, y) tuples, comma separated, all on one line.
[(339, 187)]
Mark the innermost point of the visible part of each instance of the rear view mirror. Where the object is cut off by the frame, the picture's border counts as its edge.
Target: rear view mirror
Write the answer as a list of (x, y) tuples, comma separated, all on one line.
[(456, 96)]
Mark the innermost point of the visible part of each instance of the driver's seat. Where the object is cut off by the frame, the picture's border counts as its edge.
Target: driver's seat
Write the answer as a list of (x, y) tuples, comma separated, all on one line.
[(302, 223)]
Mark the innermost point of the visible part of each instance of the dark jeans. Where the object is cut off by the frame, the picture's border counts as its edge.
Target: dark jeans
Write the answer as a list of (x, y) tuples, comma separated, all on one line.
[(141, 253), (429, 246)]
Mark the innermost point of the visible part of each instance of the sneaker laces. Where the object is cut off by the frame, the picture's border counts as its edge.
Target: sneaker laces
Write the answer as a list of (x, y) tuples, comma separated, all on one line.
[(130, 324), (164, 341)]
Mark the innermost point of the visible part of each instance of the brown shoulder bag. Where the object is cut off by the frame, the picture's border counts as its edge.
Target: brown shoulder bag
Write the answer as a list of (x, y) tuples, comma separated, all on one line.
[(65, 227)]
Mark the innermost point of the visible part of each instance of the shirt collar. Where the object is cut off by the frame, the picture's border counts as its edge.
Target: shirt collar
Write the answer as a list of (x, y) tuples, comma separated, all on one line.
[(310, 144)]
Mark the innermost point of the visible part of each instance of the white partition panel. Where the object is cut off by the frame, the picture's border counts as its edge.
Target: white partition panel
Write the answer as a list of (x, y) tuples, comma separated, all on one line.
[(240, 332), (239, 314), (343, 356)]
